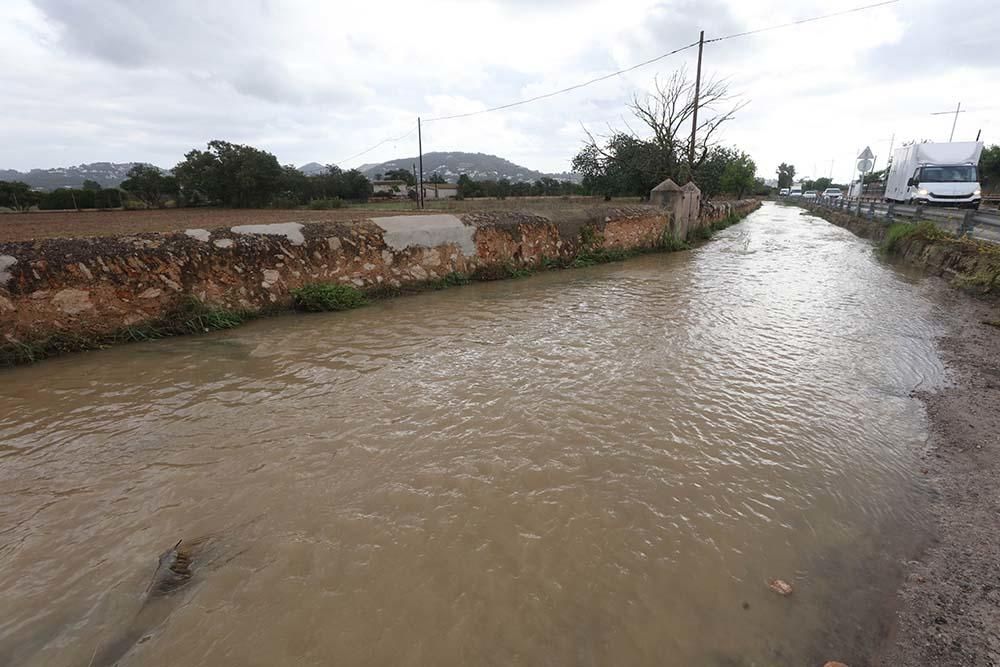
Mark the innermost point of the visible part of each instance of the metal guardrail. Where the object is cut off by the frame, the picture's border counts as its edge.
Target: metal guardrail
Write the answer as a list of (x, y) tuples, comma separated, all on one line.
[(981, 225)]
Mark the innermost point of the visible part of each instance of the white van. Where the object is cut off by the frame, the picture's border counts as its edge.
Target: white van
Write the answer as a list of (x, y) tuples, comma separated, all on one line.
[(796, 191), (944, 174)]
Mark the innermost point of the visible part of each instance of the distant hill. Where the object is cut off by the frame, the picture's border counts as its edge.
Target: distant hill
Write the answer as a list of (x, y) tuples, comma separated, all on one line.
[(313, 168), (479, 166), (108, 174)]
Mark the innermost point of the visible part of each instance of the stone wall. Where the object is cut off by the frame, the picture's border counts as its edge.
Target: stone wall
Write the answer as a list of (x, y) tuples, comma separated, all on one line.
[(97, 286)]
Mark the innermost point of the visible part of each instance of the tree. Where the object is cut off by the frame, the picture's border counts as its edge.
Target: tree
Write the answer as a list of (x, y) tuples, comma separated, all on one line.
[(91, 185), (230, 174), (354, 185), (146, 183), (709, 174), (401, 175), (436, 178), (786, 175), (875, 176), (466, 187), (738, 177), (822, 183), (633, 163), (989, 167), (18, 195)]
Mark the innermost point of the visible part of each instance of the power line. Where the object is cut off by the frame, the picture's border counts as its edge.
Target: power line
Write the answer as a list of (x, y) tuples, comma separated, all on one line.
[(623, 71), (563, 90), (801, 21), (381, 143)]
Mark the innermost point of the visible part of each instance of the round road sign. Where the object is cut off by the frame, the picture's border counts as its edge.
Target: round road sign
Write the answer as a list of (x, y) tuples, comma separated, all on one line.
[(864, 166)]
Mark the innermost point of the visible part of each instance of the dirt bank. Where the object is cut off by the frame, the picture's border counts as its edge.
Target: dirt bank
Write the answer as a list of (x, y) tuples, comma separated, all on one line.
[(950, 600)]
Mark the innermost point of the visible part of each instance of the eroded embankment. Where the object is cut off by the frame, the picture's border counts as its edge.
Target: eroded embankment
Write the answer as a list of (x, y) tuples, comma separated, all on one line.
[(949, 613), (969, 264), (60, 295)]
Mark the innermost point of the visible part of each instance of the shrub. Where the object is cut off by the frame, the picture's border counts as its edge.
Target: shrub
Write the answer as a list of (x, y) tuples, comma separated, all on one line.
[(453, 279), (669, 242), (321, 297)]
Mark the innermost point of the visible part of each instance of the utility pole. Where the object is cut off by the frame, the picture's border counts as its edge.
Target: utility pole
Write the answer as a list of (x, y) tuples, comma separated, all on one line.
[(413, 168), (694, 116), (420, 148), (957, 111)]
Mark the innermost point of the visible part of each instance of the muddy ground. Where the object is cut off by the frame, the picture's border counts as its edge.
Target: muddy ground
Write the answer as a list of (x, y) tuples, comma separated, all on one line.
[(949, 613)]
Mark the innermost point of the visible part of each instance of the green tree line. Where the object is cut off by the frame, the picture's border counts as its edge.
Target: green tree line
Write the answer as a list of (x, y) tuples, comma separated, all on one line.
[(503, 188)]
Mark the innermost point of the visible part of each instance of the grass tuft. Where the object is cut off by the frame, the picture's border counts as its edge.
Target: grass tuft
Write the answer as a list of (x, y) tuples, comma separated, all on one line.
[(323, 297), (453, 279), (901, 231)]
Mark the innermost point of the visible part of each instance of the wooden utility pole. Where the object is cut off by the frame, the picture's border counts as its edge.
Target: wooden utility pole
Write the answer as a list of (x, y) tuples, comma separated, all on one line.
[(694, 116), (420, 149)]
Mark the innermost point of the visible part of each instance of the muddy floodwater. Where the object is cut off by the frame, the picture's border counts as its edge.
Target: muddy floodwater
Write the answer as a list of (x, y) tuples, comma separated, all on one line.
[(601, 466)]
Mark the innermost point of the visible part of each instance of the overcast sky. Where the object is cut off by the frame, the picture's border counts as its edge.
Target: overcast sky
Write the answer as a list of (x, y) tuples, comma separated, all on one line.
[(138, 80)]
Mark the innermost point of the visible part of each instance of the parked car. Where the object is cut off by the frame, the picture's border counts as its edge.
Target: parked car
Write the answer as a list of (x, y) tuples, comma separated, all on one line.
[(783, 192), (796, 191), (809, 194), (832, 194)]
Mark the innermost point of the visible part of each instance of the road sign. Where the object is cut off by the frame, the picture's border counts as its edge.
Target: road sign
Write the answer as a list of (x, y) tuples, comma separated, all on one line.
[(866, 154), (865, 165)]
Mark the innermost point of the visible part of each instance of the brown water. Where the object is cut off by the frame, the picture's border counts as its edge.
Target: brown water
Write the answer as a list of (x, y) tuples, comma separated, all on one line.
[(589, 467)]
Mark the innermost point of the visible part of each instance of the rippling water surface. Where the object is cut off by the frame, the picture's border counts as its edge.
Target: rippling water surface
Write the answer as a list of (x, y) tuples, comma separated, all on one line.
[(589, 467)]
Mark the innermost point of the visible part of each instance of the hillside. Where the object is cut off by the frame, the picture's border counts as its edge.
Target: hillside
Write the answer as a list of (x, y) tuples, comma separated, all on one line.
[(478, 166), (108, 174), (313, 168)]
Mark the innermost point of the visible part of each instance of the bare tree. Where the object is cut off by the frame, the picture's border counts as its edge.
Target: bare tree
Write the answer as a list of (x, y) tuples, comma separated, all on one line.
[(666, 112), (665, 115)]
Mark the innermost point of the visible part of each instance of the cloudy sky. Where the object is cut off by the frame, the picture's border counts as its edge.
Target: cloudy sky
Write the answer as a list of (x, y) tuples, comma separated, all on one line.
[(147, 80)]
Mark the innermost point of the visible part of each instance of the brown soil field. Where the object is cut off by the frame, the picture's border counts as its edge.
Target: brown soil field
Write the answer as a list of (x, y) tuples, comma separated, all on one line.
[(63, 224), (74, 224)]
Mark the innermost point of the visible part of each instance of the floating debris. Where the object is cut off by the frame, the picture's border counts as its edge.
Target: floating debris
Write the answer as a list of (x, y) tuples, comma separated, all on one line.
[(780, 587)]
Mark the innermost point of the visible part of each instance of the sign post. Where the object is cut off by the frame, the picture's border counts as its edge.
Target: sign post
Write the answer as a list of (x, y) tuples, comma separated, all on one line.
[(865, 164)]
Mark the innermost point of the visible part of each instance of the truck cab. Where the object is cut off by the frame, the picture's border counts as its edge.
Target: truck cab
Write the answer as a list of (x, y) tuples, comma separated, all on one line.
[(945, 185)]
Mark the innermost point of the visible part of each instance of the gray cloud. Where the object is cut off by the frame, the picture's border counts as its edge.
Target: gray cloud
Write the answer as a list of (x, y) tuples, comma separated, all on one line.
[(941, 36), (132, 80)]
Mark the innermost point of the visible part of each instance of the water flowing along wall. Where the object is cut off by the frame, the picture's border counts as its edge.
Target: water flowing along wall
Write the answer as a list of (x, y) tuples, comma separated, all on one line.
[(75, 290)]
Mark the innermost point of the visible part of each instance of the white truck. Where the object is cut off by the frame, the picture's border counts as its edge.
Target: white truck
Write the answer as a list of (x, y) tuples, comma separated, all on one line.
[(944, 174)]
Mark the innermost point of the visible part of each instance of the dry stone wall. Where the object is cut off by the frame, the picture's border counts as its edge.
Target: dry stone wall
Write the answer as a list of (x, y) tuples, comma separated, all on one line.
[(98, 286)]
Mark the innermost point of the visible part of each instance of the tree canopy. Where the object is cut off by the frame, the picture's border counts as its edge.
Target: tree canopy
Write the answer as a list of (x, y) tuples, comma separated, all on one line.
[(147, 184), (989, 167), (739, 173), (401, 175), (18, 195), (230, 174), (786, 175)]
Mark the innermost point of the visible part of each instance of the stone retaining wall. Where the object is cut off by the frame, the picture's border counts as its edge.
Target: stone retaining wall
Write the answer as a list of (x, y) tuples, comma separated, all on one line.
[(97, 286)]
